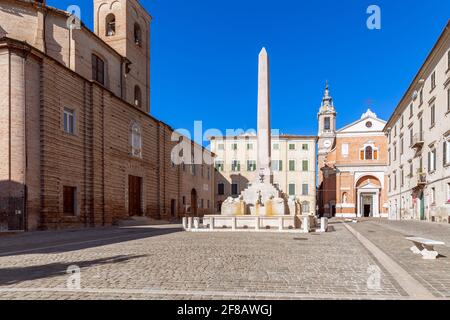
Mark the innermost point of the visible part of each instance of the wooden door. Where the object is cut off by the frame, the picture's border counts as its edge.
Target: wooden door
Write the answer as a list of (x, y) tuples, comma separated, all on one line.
[(134, 196)]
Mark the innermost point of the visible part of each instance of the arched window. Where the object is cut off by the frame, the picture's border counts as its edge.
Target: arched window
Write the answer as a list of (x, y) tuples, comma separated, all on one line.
[(136, 140), (137, 35), (110, 25), (369, 153), (137, 97)]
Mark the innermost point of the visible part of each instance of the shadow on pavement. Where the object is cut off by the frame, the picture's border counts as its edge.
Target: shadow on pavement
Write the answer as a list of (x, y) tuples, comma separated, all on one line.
[(65, 241), (11, 276)]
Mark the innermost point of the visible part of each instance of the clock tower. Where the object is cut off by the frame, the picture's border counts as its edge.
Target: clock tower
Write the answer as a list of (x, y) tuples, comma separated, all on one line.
[(327, 128)]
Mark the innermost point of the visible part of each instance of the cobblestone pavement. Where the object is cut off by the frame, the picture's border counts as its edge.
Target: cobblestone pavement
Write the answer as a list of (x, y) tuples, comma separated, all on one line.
[(390, 237), (164, 263)]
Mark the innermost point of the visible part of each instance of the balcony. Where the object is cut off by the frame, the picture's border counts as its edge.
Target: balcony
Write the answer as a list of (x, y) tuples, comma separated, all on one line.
[(418, 141), (418, 181)]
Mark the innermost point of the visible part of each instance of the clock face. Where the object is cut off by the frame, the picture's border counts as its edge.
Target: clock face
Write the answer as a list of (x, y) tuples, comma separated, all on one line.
[(327, 143)]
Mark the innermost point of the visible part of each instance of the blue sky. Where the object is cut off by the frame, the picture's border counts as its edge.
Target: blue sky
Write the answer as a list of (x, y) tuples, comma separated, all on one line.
[(204, 57)]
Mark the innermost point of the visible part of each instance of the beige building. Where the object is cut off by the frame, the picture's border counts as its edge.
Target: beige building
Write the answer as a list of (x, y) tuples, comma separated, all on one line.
[(419, 142), (77, 144), (293, 165)]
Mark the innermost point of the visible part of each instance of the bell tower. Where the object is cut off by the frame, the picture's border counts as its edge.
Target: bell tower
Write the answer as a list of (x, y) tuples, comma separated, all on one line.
[(327, 127), (125, 26)]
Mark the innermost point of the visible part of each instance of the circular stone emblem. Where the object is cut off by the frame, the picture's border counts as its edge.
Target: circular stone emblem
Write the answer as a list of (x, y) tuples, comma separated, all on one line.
[(369, 124)]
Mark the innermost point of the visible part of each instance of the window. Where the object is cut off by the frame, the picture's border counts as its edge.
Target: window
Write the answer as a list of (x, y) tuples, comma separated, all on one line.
[(208, 205), (433, 114), (305, 189), (402, 177), (251, 165), (137, 35), (421, 97), (221, 189), (277, 165), (344, 150), (305, 147), (390, 183), (433, 196), (446, 153), (98, 69), (395, 152), (184, 200), (432, 161), (249, 146), (411, 110), (291, 165), (395, 180), (448, 60), (448, 192), (448, 100), (234, 146), (305, 207), (276, 146), (221, 146), (219, 165), (235, 166), (395, 131), (292, 189), (69, 121), (110, 25), (305, 165), (202, 203), (411, 169), (291, 146), (327, 124), (411, 136), (137, 97), (402, 122), (433, 80), (389, 156), (234, 189), (401, 146), (368, 153), (209, 173), (136, 141), (69, 200)]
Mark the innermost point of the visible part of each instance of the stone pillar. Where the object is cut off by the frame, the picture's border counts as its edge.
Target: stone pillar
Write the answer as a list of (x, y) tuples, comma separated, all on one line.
[(184, 221), (196, 223), (211, 223), (264, 133), (306, 225), (189, 224), (324, 224)]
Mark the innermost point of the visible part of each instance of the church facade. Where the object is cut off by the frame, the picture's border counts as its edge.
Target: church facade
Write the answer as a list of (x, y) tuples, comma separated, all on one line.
[(78, 146), (352, 164)]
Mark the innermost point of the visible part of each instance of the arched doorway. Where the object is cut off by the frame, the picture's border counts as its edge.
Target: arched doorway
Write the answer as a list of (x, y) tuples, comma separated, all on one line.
[(194, 203), (368, 195)]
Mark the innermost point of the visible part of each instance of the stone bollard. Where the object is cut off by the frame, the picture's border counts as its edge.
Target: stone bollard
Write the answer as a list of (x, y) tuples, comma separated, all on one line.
[(233, 223), (306, 225), (196, 223), (189, 223), (257, 223), (280, 223), (184, 223), (211, 223), (324, 225)]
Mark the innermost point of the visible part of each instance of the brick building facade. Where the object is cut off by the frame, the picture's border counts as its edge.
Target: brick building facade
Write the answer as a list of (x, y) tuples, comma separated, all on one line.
[(352, 164), (77, 144)]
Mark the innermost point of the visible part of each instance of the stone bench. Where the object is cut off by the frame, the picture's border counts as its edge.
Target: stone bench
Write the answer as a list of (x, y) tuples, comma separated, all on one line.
[(425, 247)]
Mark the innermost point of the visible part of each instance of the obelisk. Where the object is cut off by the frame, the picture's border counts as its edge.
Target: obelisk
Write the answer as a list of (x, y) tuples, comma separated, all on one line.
[(264, 131)]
